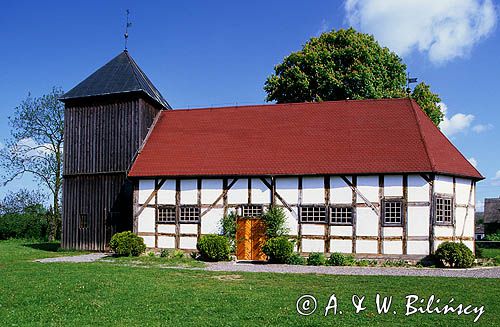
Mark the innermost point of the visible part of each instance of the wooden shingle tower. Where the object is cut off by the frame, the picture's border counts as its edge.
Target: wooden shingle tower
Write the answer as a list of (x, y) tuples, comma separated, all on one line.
[(107, 117)]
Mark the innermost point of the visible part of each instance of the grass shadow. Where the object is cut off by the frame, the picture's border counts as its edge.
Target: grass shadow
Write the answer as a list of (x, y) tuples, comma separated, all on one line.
[(46, 246)]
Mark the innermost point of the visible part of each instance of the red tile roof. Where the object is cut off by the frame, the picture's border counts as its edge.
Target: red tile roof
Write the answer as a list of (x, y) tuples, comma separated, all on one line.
[(337, 137)]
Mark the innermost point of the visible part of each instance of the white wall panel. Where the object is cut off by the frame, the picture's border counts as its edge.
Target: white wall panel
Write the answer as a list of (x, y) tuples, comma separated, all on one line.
[(368, 186), (261, 194), (309, 245), (443, 184), (313, 229), (443, 231), (238, 194), (166, 228), (313, 190), (166, 194), (188, 243), (417, 247), (462, 189), (341, 230), (188, 228), (166, 242), (367, 222), (418, 189), (210, 222), (393, 185), (393, 247), (470, 245), (418, 221), (468, 229), (292, 221), (189, 191), (342, 246), (146, 187), (366, 246), (149, 241), (211, 189), (340, 192), (393, 231), (146, 220), (288, 189)]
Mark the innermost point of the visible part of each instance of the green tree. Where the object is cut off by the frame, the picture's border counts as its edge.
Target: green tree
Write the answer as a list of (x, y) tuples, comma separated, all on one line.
[(428, 101), (35, 147), (345, 64)]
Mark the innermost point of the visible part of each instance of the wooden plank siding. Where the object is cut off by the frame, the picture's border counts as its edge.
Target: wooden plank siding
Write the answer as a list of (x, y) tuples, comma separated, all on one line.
[(102, 137)]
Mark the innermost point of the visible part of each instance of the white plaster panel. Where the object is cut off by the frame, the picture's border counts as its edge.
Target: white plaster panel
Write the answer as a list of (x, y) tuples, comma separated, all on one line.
[(393, 247), (238, 193), (292, 221), (210, 222), (418, 189), (166, 242), (146, 220), (146, 187), (393, 185), (418, 221), (417, 247), (443, 231), (189, 191), (188, 228), (313, 229), (340, 192), (368, 186), (211, 189), (443, 184), (166, 194), (470, 245), (187, 243), (366, 246), (166, 228), (261, 194), (460, 219), (341, 230), (393, 231), (367, 222), (313, 190), (462, 189), (288, 189), (436, 244), (309, 245), (342, 246), (149, 241)]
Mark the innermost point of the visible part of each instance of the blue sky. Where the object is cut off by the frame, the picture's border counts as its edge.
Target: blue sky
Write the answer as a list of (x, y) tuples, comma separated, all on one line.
[(201, 53)]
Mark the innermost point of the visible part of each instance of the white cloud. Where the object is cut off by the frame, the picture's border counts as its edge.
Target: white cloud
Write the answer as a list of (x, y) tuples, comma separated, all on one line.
[(325, 27), (479, 128), (444, 29), (455, 124), (473, 161), (496, 180)]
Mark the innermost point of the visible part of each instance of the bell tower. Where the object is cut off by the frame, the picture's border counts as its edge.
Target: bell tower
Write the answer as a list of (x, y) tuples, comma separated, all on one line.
[(107, 117)]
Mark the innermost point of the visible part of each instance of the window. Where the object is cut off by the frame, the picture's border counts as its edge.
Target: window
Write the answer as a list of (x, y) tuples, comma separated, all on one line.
[(251, 211), (444, 211), (341, 215), (84, 220), (313, 214), (393, 212), (166, 214), (189, 214)]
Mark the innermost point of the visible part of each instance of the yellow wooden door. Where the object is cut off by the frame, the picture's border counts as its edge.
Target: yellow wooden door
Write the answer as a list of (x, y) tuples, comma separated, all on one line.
[(250, 238)]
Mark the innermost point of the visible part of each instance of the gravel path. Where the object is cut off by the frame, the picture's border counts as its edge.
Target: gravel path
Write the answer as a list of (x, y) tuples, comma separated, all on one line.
[(76, 258), (483, 272)]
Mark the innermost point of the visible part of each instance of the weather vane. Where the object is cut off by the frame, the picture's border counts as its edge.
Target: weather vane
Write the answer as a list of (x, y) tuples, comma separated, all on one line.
[(126, 29), (409, 80)]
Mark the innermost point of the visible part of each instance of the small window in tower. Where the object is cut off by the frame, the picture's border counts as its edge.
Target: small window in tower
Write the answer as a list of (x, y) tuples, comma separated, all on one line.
[(84, 220)]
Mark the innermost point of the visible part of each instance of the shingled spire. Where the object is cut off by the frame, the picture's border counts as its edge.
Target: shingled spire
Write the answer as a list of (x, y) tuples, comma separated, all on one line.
[(120, 75)]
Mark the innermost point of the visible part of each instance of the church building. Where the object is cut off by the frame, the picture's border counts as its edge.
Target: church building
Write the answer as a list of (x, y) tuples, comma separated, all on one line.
[(368, 177)]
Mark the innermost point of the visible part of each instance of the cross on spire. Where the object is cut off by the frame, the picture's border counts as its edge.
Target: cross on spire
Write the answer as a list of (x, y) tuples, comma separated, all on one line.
[(127, 25)]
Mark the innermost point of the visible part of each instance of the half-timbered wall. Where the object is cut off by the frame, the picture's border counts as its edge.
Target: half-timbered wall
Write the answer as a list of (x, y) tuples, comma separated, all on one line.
[(368, 233)]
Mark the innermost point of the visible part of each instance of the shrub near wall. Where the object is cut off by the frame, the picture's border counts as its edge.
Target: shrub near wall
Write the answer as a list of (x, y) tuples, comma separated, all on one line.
[(454, 255), (213, 247), (127, 244), (278, 249)]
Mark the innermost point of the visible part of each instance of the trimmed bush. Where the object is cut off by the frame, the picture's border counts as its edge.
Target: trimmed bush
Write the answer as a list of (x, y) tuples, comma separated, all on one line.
[(275, 219), (278, 249), (296, 259), (337, 259), (316, 259), (127, 244), (454, 255), (213, 247)]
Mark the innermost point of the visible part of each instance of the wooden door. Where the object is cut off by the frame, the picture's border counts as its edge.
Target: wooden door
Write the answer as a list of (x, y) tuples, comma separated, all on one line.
[(250, 238)]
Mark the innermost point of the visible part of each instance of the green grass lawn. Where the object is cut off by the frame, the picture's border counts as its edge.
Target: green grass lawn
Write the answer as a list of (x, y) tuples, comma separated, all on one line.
[(106, 293), (492, 254)]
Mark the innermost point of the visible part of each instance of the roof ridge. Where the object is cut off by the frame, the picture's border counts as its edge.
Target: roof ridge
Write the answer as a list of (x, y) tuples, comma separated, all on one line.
[(419, 127)]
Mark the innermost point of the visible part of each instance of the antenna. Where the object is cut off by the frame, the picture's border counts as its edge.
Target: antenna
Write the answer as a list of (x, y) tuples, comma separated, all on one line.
[(127, 25), (409, 80)]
